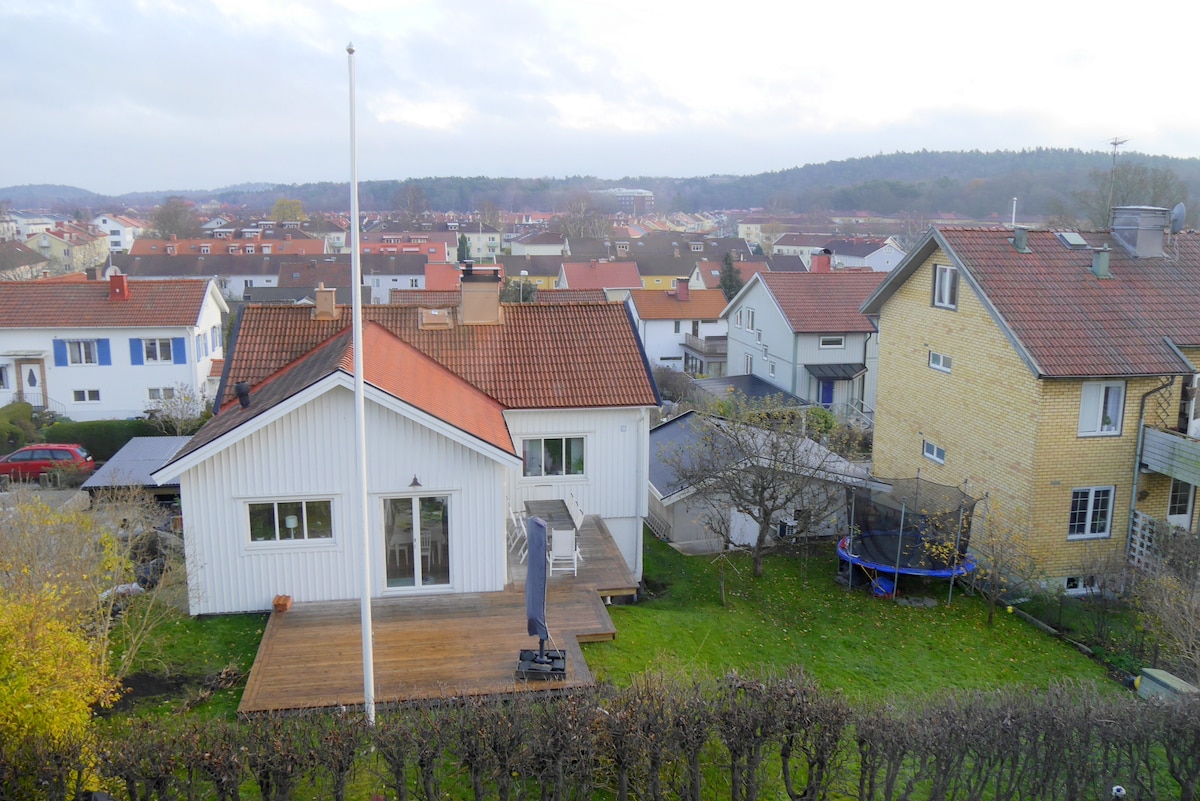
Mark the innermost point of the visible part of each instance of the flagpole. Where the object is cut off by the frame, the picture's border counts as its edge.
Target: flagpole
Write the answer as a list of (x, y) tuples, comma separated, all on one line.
[(360, 422)]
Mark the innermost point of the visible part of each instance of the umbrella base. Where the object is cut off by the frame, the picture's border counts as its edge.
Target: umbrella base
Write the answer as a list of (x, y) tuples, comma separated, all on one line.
[(542, 664)]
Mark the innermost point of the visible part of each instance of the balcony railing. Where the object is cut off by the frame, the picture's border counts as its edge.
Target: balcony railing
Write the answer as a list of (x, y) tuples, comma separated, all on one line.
[(708, 346), (1171, 453)]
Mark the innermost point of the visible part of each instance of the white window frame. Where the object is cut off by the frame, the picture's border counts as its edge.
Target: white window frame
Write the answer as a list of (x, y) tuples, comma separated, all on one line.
[(303, 537), (527, 443), (940, 362), (832, 341), (85, 395), (771, 369), (1090, 515), (933, 452), (160, 393), (749, 364), (152, 351), (1101, 408), (945, 286), (3, 376), (749, 319), (737, 319), (82, 351)]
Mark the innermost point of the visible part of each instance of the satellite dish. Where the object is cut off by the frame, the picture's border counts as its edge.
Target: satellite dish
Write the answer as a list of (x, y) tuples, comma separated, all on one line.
[(1178, 214)]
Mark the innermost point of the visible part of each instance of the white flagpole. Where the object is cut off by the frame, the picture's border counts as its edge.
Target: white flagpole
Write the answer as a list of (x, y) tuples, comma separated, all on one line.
[(360, 422)]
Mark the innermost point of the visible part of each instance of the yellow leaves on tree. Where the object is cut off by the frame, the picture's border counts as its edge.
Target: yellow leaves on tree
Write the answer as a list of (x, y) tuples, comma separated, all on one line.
[(51, 674)]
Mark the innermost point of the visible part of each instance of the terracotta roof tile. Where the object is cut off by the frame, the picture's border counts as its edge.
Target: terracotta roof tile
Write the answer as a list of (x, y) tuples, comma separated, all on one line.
[(602, 275), (1073, 323), (571, 296), (544, 355), (85, 304), (823, 302), (664, 304)]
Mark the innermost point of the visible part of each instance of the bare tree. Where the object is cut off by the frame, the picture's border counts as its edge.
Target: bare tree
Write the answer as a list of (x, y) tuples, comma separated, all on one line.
[(1128, 183), (1004, 558), (178, 410), (175, 217), (1167, 591), (754, 457)]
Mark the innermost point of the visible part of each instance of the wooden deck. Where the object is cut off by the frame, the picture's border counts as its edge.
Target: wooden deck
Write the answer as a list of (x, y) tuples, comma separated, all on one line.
[(436, 646)]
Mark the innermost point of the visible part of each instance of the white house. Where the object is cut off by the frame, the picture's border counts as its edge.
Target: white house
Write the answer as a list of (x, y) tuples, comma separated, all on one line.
[(121, 231), (463, 426), (96, 350), (803, 333), (681, 328)]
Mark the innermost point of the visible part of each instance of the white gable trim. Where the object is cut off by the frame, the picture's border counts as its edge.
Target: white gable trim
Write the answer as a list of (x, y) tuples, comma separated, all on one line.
[(173, 470)]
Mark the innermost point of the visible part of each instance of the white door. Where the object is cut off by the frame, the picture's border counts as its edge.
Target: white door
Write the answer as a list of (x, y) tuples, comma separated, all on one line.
[(1179, 508)]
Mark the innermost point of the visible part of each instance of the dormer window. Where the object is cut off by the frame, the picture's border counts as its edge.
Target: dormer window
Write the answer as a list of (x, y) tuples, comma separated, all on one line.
[(205, 249), (249, 250), (697, 247)]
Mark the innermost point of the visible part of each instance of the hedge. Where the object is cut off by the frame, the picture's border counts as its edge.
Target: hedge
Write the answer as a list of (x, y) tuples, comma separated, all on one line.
[(102, 437)]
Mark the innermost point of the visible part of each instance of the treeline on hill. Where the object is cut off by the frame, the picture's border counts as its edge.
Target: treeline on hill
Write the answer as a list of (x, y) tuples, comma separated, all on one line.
[(737, 738), (971, 183)]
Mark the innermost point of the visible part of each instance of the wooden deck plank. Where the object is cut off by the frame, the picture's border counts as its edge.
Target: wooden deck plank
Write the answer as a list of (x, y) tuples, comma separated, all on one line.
[(433, 646)]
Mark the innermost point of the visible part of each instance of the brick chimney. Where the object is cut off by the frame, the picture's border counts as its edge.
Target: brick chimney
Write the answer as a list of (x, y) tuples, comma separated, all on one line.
[(821, 262), (326, 305), (118, 287), (682, 292), (480, 294)]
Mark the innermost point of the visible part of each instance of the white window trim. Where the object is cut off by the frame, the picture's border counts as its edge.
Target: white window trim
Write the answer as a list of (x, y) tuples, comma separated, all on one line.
[(320, 543), (1092, 395), (945, 286), (564, 476), (86, 393), (940, 362), (86, 347), (1090, 535), (933, 452), (158, 358), (840, 342)]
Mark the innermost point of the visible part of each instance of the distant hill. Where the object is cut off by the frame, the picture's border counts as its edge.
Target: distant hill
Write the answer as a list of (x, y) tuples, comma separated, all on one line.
[(971, 183)]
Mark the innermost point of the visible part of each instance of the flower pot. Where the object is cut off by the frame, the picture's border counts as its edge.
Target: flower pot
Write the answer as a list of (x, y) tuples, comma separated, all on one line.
[(283, 603)]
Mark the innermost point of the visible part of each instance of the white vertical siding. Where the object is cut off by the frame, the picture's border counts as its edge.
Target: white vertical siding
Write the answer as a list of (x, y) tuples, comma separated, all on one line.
[(616, 467), (310, 454)]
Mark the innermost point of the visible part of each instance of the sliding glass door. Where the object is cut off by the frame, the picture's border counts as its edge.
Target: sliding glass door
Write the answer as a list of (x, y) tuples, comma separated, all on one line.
[(417, 541)]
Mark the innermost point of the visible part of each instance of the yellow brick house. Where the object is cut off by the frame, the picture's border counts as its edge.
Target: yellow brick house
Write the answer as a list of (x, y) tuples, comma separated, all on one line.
[(1053, 371)]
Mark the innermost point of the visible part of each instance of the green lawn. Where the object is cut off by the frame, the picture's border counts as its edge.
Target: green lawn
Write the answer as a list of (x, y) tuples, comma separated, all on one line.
[(797, 613)]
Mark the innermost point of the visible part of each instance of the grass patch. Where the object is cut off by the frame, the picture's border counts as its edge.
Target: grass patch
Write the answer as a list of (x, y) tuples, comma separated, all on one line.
[(190, 659), (797, 614)]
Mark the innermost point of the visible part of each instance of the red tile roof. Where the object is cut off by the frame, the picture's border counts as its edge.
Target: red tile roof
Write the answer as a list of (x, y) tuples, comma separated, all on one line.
[(1072, 323), (602, 275), (425, 298), (710, 271), (816, 303), (543, 355), (664, 304), (441, 277), (389, 364), (85, 304), (571, 296)]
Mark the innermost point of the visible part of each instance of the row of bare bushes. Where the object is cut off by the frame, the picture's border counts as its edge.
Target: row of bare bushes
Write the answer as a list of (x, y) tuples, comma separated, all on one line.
[(736, 738)]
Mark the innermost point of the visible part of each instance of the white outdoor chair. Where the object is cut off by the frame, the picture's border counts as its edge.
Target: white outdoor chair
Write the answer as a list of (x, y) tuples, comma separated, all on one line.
[(563, 554), (518, 537)]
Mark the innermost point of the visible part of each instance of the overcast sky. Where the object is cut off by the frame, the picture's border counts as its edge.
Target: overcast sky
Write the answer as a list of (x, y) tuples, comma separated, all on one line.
[(126, 95)]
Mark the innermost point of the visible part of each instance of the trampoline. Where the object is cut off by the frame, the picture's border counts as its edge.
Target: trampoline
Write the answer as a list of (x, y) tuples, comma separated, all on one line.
[(909, 527)]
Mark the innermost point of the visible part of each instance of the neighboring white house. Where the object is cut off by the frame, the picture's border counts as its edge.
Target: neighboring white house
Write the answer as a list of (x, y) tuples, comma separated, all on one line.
[(803, 333), (95, 350), (121, 231), (681, 328), (463, 427)]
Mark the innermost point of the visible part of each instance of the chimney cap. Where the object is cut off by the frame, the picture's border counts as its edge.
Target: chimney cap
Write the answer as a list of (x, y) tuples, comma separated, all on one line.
[(242, 389)]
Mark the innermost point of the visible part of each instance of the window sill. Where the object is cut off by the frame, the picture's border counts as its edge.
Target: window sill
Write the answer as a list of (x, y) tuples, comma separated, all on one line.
[(1085, 537), (291, 546), (1098, 434)]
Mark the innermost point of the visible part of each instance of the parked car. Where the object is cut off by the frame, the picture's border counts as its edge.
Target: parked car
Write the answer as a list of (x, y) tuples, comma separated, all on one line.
[(33, 461)]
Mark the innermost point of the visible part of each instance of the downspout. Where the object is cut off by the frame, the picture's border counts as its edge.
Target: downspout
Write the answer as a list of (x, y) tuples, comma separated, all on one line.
[(862, 393), (1137, 461), (795, 365)]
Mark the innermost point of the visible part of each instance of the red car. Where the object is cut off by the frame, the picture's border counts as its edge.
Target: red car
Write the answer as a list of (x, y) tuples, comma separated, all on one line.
[(32, 461)]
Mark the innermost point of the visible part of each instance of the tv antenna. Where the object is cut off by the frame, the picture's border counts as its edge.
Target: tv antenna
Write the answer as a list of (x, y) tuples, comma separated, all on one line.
[(1116, 143)]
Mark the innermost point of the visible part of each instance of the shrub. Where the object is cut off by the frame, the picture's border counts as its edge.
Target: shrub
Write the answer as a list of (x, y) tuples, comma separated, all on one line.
[(102, 438)]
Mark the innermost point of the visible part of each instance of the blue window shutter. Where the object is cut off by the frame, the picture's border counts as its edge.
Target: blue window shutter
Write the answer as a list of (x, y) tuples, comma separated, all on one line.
[(136, 353), (60, 353), (102, 352), (179, 350)]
